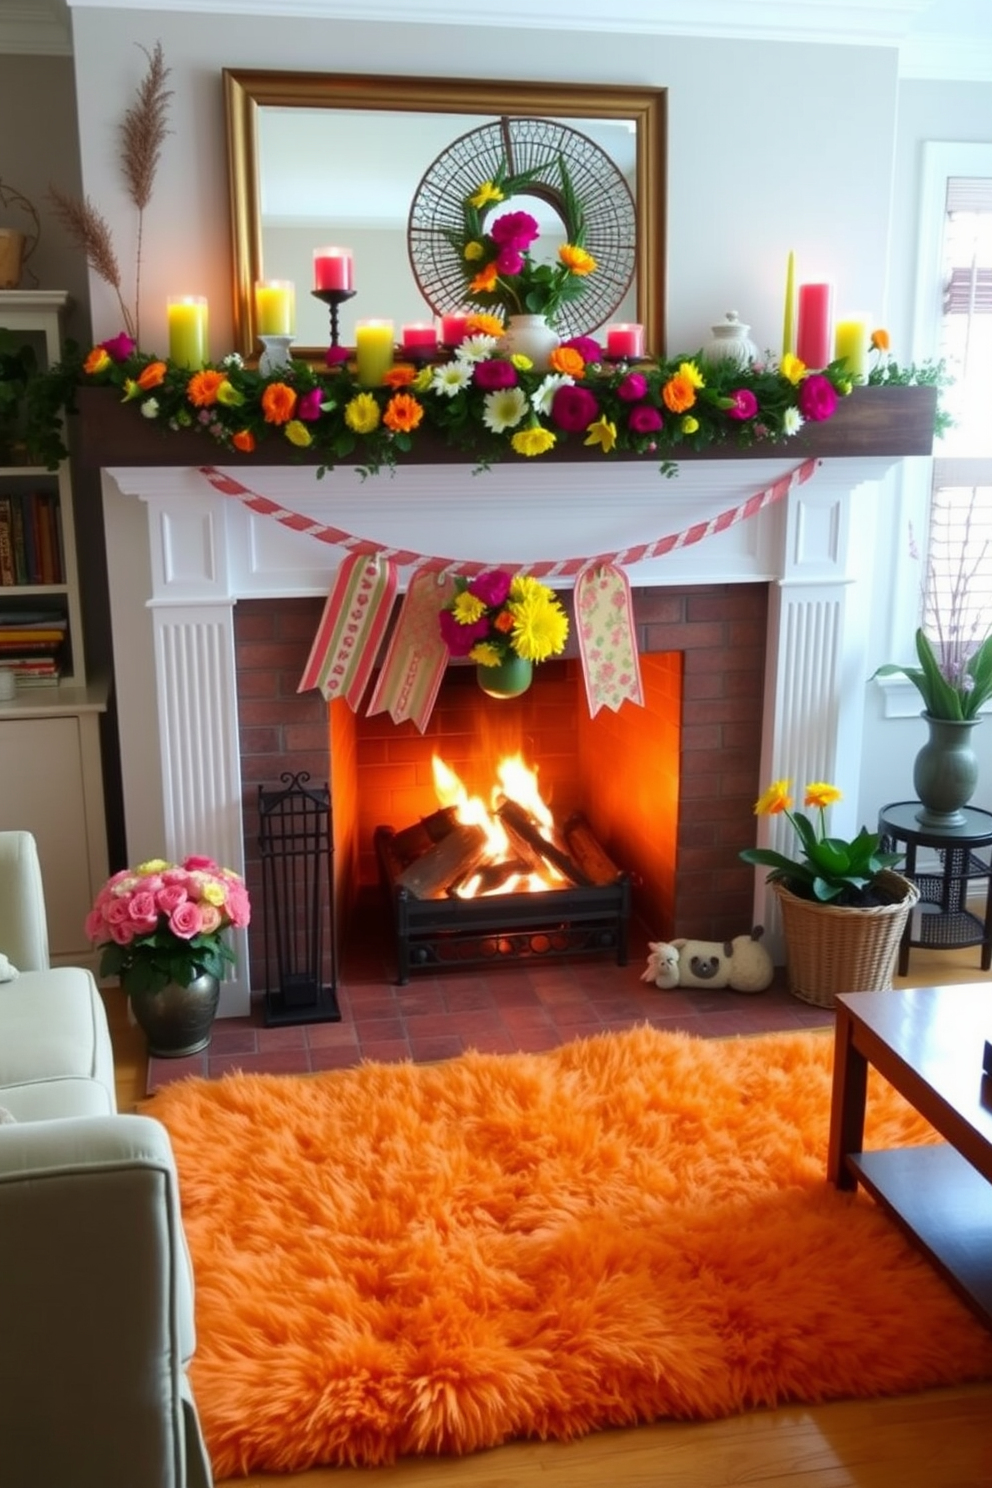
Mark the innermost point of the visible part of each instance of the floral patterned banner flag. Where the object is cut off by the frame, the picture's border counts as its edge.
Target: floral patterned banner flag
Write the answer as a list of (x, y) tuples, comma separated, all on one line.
[(417, 656), (351, 628), (604, 617)]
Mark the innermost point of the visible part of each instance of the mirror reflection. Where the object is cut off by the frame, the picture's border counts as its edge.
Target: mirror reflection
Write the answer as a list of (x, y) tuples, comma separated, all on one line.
[(321, 161)]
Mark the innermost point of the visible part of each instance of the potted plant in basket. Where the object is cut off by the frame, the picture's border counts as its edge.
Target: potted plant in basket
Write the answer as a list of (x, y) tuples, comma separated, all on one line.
[(843, 908), (160, 928)]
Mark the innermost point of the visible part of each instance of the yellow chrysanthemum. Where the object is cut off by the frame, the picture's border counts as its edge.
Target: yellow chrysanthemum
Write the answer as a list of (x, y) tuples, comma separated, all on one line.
[(820, 794), (467, 608), (485, 654), (540, 627), (535, 441), (473, 251), (523, 585), (792, 368), (603, 433), (692, 374), (297, 433), (775, 799), (485, 325), (487, 192), (362, 414), (577, 260)]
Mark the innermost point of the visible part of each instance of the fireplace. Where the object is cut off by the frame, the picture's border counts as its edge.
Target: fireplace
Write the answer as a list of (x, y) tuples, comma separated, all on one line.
[(189, 568)]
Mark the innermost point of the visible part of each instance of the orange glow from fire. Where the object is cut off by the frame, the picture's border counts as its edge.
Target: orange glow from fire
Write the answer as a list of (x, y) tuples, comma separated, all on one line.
[(516, 783)]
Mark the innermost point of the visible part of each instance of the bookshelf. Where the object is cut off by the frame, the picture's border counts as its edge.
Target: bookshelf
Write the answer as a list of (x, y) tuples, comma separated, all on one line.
[(51, 764)]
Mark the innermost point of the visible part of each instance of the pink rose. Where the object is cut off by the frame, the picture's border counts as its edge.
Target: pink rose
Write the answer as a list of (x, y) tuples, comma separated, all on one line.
[(588, 348), (118, 911), (169, 898), (211, 919), (516, 228), (460, 639), (509, 261), (95, 928), (123, 933), (492, 587), (196, 864), (745, 404), (644, 419), (573, 409), (308, 409), (634, 386), (239, 906), (495, 374), (186, 921), (817, 398), (141, 906), (119, 347)]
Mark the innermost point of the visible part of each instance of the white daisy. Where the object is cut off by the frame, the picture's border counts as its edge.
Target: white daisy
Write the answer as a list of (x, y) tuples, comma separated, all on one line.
[(233, 360), (541, 400), (792, 421), (504, 409), (476, 349), (150, 408), (451, 378)]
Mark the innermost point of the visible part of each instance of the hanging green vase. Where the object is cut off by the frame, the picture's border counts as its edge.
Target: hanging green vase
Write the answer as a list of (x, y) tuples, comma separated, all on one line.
[(945, 772), (512, 677)]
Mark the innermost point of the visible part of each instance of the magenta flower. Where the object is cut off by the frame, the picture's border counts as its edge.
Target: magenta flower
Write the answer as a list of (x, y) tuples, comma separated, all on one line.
[(308, 405), (516, 229), (460, 639), (495, 374), (745, 404), (335, 355), (119, 347), (573, 409), (493, 586), (510, 260), (588, 348), (644, 419), (817, 398), (634, 386)]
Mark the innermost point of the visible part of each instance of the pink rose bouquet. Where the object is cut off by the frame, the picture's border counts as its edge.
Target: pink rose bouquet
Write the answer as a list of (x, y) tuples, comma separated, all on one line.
[(162, 922)]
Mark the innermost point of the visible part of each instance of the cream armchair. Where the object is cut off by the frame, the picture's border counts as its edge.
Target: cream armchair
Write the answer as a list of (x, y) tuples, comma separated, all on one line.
[(96, 1302)]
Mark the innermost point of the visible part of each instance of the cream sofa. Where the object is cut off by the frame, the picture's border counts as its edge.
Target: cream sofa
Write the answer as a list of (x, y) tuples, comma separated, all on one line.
[(96, 1297)]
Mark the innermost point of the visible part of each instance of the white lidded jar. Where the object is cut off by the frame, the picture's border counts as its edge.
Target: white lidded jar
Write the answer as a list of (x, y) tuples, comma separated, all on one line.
[(732, 343)]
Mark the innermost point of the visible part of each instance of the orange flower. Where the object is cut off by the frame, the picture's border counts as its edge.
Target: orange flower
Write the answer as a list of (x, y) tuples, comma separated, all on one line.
[(201, 390), (485, 280), (244, 440), (278, 403), (577, 259), (484, 325), (402, 414), (97, 361), (152, 375), (401, 375), (774, 800), (880, 340), (504, 621), (566, 359), (678, 394)]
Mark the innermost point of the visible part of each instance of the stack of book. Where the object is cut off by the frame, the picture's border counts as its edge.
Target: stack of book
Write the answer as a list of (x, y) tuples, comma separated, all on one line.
[(31, 644), (30, 538)]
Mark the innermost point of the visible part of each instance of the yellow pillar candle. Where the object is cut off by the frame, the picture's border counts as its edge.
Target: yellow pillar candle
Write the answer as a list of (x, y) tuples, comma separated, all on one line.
[(187, 316), (852, 341), (373, 350), (789, 328), (275, 307)]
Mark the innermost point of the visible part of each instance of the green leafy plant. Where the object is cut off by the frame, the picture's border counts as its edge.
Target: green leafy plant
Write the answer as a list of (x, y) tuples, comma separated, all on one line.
[(953, 684), (831, 870), (33, 402)]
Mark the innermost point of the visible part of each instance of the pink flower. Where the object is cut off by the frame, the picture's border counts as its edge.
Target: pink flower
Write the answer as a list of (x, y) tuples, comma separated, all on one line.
[(495, 374), (634, 386), (492, 587), (238, 906), (117, 911), (308, 409), (335, 355), (745, 404), (573, 409), (644, 419), (211, 919), (588, 348), (170, 897), (94, 926), (510, 260), (119, 347), (817, 398), (186, 921), (123, 933), (516, 228), (141, 906), (460, 639)]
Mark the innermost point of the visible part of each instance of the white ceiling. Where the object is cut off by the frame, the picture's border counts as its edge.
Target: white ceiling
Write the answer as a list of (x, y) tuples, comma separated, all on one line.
[(949, 39)]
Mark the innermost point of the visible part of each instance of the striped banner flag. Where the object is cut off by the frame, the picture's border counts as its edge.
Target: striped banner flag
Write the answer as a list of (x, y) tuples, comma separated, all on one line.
[(417, 656), (605, 619), (351, 628)]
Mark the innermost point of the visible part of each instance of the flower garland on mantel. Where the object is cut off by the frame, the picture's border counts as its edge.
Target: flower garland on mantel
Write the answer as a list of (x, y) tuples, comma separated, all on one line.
[(477, 401)]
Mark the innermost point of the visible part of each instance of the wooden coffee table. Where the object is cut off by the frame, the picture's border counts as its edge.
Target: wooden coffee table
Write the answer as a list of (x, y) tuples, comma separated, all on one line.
[(928, 1043)]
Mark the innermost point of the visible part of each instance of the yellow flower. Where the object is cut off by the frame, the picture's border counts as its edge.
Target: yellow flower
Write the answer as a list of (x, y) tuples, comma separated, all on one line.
[(484, 653), (487, 192), (154, 865), (362, 414), (791, 367), (534, 441), (214, 893), (297, 433), (540, 626), (692, 374), (467, 608), (473, 251), (228, 394), (577, 259), (522, 361), (818, 793), (775, 800), (603, 433), (690, 424), (423, 379), (485, 325)]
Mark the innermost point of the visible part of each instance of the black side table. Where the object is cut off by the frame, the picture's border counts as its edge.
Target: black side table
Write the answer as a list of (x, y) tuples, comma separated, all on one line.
[(942, 919)]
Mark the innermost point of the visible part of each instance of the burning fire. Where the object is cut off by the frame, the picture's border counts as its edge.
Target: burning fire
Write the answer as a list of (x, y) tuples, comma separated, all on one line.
[(507, 867)]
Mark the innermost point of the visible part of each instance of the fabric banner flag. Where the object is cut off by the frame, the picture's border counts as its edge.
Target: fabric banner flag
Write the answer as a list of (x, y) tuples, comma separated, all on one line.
[(605, 620), (351, 628), (417, 656)]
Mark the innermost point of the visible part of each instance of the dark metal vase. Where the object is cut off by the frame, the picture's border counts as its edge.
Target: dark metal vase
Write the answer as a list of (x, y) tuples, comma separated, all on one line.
[(945, 772), (178, 1020)]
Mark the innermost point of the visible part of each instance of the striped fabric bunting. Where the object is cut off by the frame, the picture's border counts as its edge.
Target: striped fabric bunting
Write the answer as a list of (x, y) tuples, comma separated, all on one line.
[(351, 628), (415, 662)]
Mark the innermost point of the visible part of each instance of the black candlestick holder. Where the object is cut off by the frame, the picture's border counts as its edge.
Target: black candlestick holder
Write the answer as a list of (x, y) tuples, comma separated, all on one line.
[(333, 299)]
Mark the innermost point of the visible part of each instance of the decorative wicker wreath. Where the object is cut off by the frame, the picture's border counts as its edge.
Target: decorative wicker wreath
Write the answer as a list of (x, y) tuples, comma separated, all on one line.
[(540, 146)]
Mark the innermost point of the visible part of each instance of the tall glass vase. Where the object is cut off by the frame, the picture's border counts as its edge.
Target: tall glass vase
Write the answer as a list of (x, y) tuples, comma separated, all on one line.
[(531, 336), (945, 772)]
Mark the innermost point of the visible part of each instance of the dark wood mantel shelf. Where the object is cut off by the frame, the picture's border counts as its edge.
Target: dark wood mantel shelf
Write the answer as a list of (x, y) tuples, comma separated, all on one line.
[(872, 422)]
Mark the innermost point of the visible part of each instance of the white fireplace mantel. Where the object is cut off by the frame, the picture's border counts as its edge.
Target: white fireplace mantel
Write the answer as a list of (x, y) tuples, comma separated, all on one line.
[(182, 555)]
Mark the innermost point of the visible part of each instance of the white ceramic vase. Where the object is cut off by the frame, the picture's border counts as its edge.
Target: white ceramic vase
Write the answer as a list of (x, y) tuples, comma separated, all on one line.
[(530, 336)]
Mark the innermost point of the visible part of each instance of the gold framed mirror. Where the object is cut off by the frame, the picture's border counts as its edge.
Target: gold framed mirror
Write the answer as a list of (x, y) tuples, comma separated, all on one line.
[(331, 156)]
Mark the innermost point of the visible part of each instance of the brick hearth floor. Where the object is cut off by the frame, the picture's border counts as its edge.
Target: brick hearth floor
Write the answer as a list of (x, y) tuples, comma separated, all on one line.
[(526, 1006)]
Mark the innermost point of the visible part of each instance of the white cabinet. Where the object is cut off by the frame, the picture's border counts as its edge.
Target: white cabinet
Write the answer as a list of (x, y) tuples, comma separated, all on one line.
[(51, 777)]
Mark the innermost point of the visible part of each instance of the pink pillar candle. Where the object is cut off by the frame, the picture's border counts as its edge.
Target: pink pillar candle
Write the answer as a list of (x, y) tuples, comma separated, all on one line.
[(420, 336), (454, 329), (333, 268), (814, 325), (624, 341)]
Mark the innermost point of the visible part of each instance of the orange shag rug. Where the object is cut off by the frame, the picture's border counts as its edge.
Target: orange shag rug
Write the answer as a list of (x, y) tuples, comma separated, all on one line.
[(408, 1258)]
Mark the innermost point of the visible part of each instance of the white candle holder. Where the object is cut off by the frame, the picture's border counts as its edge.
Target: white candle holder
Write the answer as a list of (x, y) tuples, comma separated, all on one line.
[(275, 354)]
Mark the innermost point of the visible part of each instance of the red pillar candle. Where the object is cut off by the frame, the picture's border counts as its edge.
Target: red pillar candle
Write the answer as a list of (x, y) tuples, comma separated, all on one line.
[(624, 341), (420, 336), (814, 324), (454, 329), (333, 268)]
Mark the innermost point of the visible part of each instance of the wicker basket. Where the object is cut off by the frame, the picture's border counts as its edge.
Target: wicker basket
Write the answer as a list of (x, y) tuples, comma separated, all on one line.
[(830, 949)]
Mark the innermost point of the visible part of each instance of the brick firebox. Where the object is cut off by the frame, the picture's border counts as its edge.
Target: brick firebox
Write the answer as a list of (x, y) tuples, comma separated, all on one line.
[(669, 788)]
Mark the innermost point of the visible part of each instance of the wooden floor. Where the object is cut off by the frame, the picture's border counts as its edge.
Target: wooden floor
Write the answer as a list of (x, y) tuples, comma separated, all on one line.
[(942, 1439)]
